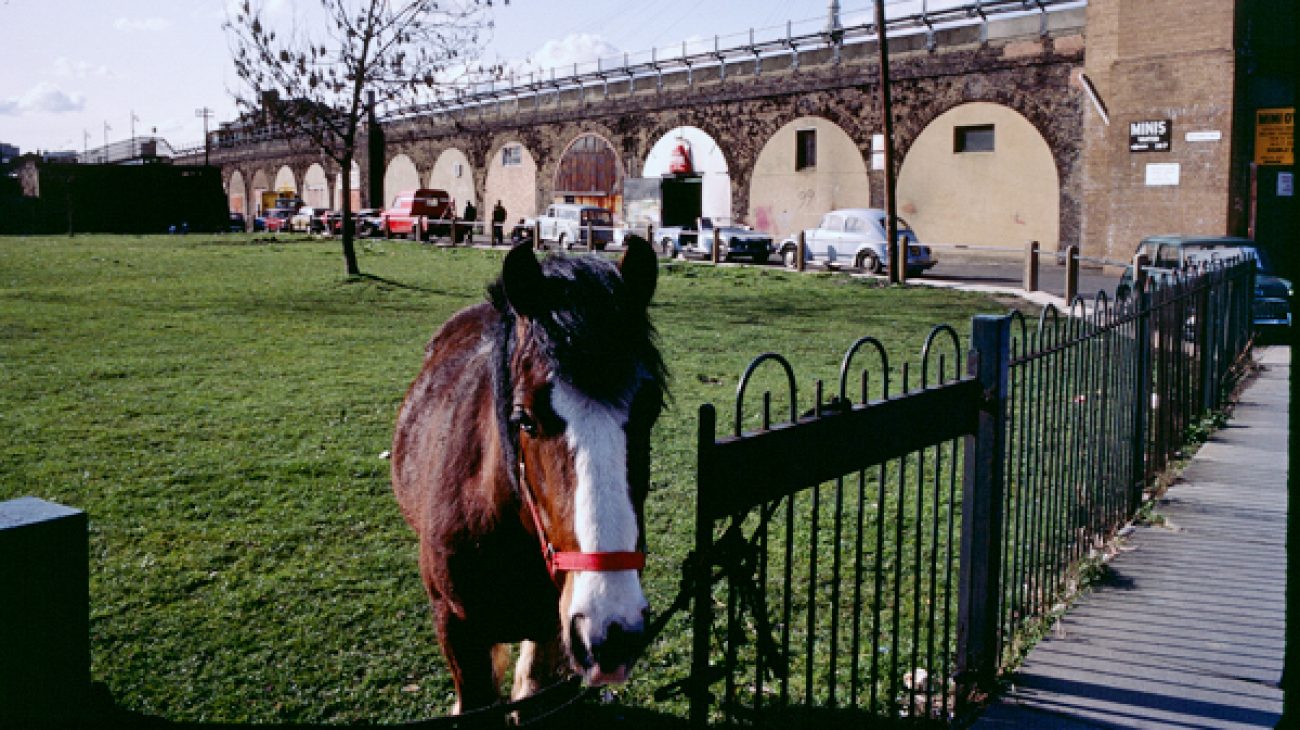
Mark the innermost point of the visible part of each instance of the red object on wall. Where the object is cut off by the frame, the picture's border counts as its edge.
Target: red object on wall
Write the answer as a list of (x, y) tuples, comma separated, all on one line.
[(680, 163)]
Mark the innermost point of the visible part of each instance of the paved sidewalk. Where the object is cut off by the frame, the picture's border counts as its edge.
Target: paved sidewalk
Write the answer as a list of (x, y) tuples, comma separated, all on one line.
[(1187, 631)]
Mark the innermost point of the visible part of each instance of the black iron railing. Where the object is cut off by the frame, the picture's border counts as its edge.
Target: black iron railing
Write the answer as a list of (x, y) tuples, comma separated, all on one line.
[(854, 571)]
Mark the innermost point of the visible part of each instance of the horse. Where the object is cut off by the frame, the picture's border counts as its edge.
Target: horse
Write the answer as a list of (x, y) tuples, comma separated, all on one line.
[(521, 459)]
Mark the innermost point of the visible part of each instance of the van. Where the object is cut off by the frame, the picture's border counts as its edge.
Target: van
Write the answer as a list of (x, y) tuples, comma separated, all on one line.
[(418, 214), (566, 225)]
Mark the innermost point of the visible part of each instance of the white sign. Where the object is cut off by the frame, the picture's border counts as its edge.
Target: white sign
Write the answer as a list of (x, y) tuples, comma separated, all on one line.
[(877, 151), (1210, 135), (1162, 173), (1285, 184)]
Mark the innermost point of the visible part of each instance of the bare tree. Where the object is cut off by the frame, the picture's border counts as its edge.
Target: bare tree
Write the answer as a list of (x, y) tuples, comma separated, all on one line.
[(321, 73)]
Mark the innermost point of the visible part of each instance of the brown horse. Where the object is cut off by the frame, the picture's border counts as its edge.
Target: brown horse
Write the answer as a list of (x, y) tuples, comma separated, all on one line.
[(521, 460)]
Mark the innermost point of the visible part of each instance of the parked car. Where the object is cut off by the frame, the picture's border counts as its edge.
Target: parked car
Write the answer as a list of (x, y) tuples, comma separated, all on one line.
[(1271, 308), (237, 223), (419, 214), (302, 221), (737, 241), (856, 237), (566, 224), (277, 219)]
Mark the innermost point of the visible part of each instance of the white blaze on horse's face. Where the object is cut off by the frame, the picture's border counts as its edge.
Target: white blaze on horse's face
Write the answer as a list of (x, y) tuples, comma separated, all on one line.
[(607, 609)]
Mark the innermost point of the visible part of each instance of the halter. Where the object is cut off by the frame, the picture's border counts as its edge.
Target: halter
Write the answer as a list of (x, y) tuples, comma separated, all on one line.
[(560, 562)]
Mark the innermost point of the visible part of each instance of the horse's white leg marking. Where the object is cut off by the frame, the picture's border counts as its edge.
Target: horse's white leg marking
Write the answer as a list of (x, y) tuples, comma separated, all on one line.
[(605, 520)]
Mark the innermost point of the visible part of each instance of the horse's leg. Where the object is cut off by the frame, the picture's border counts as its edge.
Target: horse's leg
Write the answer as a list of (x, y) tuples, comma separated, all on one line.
[(473, 663), (540, 665)]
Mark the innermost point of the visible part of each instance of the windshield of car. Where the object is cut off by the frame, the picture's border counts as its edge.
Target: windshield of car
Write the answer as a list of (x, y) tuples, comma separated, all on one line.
[(1195, 255), (597, 217)]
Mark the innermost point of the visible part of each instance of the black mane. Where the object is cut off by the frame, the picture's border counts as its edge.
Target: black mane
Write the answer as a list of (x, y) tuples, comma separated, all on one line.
[(595, 338)]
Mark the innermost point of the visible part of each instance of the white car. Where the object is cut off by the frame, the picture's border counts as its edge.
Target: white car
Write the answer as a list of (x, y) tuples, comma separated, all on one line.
[(856, 237)]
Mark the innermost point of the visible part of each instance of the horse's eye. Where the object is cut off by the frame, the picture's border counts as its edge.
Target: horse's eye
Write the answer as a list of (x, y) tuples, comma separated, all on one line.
[(521, 420)]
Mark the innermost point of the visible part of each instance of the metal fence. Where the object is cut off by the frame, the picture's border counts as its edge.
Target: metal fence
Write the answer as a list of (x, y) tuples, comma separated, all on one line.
[(890, 550)]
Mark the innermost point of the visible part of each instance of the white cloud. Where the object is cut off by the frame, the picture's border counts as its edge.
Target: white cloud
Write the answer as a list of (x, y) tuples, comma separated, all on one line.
[(44, 97), (580, 48), (68, 68), (152, 25)]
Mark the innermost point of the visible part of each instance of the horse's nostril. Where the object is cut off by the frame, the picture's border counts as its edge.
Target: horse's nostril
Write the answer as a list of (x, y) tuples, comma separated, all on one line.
[(619, 647)]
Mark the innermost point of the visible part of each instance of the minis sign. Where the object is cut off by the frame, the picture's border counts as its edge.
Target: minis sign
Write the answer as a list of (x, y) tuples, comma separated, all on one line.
[(1150, 135)]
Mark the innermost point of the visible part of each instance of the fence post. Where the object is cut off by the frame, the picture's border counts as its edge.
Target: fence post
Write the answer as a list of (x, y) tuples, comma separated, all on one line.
[(1141, 379), (702, 590), (981, 519), (45, 615), (1071, 274), (1031, 266)]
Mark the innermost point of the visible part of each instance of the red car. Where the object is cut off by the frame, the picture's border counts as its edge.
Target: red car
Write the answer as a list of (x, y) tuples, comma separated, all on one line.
[(418, 214), (277, 219)]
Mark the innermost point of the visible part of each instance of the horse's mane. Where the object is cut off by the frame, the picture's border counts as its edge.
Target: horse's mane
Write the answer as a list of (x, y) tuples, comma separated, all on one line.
[(594, 337)]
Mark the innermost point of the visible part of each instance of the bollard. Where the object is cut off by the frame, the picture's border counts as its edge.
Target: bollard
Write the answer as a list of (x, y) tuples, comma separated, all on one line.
[(537, 236), (45, 614), (1071, 274), (900, 248), (799, 263), (591, 241), (1031, 266), (717, 245)]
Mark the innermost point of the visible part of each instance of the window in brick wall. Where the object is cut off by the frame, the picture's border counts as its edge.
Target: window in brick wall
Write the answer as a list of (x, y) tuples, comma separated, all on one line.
[(975, 138), (805, 149), (512, 155)]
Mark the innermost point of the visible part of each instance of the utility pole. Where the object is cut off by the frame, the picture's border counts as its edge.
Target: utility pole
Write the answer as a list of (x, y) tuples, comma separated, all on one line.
[(206, 113), (897, 259), (104, 155)]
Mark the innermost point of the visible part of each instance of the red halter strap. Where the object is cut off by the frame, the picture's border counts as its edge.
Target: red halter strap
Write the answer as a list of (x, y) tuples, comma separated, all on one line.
[(558, 563)]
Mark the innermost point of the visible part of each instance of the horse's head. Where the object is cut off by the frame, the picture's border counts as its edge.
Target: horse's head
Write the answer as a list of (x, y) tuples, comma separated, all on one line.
[(585, 384)]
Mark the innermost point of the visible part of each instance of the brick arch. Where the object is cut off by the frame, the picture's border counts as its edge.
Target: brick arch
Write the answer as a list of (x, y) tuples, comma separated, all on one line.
[(661, 124), (1058, 119), (548, 154)]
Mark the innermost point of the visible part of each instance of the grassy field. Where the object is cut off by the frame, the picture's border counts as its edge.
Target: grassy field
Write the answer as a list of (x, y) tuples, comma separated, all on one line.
[(218, 406)]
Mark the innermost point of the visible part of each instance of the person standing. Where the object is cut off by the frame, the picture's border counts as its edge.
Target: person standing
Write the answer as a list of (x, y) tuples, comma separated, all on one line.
[(471, 215), (498, 224)]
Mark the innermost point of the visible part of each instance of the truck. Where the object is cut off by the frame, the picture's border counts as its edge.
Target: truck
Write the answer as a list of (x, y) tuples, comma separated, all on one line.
[(419, 213), (697, 240)]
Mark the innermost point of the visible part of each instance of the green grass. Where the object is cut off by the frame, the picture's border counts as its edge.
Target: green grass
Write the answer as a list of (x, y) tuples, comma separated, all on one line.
[(218, 406)]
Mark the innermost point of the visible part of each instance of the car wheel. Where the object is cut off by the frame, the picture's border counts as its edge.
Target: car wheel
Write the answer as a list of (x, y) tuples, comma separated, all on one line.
[(870, 262)]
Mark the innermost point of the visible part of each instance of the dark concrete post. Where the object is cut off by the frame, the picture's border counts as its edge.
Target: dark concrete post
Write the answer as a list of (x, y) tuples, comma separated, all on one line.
[(45, 613), (981, 514), (1031, 266), (1071, 274), (717, 246), (799, 263)]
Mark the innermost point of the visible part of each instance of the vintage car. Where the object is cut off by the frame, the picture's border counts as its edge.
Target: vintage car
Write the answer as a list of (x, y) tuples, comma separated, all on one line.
[(566, 225), (856, 237), (277, 220), (736, 242), (1271, 308), (418, 214)]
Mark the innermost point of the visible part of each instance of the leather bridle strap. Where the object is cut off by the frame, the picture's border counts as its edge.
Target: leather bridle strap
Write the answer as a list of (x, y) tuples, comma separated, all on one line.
[(557, 562)]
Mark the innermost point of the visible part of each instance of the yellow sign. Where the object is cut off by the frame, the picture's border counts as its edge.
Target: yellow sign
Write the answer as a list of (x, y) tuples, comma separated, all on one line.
[(1275, 136)]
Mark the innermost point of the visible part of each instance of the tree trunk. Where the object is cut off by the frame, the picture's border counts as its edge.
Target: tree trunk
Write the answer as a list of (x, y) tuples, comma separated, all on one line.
[(349, 253)]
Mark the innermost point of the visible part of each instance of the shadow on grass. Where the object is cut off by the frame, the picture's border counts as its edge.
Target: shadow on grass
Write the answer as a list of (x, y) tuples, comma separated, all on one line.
[(389, 282), (562, 706)]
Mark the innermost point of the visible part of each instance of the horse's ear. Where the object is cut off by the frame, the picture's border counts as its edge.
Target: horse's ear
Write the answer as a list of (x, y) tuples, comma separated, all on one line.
[(524, 282), (640, 269)]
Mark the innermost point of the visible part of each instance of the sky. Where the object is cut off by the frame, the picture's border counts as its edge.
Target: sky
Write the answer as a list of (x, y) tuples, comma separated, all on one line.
[(78, 74)]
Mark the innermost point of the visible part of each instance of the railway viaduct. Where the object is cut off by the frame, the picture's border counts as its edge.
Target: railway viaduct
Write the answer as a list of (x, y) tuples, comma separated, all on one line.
[(988, 119)]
